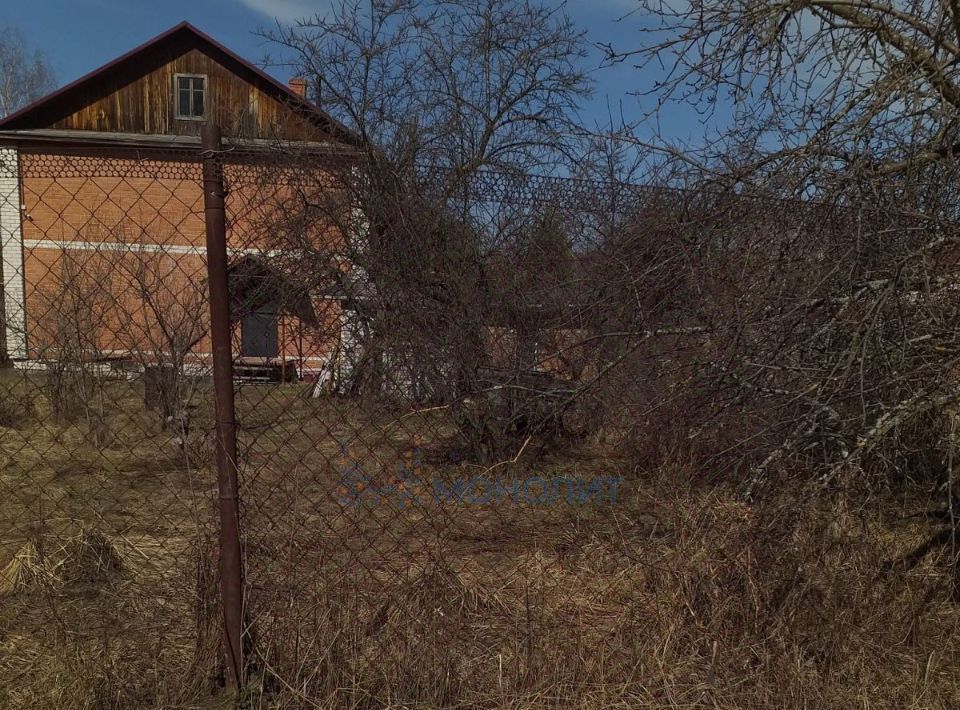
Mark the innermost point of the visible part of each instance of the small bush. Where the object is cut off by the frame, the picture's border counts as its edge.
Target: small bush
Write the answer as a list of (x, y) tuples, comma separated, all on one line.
[(64, 388), (15, 411)]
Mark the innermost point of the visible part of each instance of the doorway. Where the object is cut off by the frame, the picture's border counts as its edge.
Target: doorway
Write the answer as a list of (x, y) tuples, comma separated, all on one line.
[(258, 332)]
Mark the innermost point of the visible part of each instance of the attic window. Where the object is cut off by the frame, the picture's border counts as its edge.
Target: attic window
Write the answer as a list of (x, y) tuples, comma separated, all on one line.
[(189, 96)]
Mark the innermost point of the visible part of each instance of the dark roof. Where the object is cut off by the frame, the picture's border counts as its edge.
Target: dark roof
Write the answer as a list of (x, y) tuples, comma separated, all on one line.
[(37, 114)]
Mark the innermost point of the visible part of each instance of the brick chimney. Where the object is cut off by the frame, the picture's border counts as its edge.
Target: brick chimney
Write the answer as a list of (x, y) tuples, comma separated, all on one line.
[(298, 85)]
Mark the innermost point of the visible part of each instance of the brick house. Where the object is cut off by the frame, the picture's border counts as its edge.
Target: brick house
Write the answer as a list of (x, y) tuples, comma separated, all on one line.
[(97, 202)]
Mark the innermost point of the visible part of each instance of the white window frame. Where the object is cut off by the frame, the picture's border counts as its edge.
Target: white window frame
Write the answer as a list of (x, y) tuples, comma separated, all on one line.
[(176, 97)]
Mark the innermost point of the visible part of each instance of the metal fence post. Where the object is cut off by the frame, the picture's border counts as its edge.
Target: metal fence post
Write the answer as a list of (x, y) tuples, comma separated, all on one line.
[(231, 572)]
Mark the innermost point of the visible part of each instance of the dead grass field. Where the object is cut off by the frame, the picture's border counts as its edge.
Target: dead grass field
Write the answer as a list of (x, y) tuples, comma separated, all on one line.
[(676, 596)]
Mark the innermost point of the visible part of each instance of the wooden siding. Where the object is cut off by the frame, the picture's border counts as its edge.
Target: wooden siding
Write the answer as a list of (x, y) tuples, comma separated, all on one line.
[(145, 104)]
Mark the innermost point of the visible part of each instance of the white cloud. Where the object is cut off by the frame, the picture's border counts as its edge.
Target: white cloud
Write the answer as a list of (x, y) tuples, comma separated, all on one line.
[(292, 10), (287, 10)]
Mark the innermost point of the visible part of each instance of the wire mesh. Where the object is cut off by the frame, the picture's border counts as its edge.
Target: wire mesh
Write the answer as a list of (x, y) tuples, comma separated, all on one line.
[(398, 381), (395, 548), (107, 500)]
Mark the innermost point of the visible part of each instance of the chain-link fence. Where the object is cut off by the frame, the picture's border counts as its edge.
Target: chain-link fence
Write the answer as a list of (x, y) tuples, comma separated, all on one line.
[(106, 488), (353, 435), (399, 363)]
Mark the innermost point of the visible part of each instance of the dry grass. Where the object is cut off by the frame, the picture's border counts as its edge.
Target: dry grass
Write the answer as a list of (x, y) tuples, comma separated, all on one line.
[(675, 597)]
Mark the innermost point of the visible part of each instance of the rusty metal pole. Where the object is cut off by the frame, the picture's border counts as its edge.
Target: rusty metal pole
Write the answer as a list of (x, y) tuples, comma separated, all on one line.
[(231, 570)]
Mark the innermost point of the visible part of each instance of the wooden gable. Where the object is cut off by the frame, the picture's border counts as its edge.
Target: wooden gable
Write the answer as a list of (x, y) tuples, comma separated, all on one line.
[(135, 94), (145, 104)]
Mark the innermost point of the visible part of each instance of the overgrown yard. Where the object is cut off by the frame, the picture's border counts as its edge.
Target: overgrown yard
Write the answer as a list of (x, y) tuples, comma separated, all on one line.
[(672, 595)]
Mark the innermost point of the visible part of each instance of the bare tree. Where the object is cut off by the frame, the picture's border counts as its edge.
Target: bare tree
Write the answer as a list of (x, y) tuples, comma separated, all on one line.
[(823, 240), (438, 92), (73, 313), (463, 83), (829, 87), (26, 73), (161, 317)]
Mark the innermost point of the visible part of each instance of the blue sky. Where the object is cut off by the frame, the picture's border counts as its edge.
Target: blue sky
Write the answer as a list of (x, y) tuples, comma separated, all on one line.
[(80, 35)]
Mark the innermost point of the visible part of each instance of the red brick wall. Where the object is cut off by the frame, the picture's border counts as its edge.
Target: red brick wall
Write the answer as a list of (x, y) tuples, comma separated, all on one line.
[(79, 282)]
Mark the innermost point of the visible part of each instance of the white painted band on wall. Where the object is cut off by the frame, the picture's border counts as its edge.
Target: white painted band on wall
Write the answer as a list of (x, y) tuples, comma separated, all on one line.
[(11, 254), (156, 248), (137, 247)]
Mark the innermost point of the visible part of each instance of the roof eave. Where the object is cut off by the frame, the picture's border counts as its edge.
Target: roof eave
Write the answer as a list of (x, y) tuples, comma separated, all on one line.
[(40, 138)]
